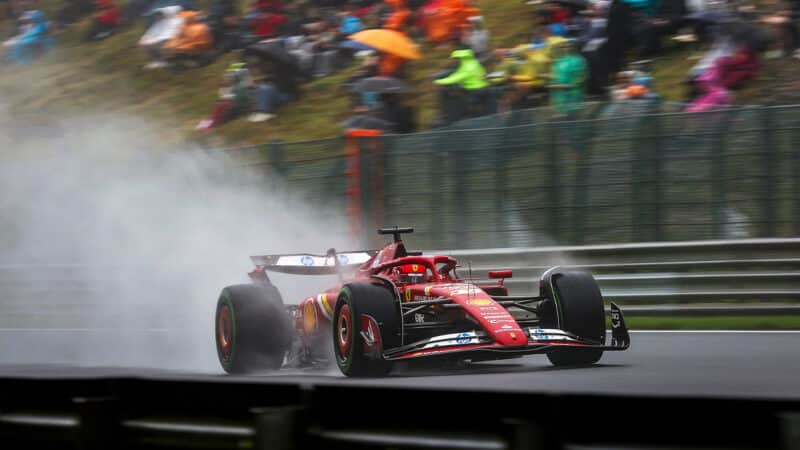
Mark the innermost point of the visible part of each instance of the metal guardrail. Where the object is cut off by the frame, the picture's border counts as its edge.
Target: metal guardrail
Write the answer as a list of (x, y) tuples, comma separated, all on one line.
[(760, 271), (142, 413), (751, 270)]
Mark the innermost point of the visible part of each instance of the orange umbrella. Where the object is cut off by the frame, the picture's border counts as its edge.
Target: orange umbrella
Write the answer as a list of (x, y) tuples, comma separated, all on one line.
[(388, 41)]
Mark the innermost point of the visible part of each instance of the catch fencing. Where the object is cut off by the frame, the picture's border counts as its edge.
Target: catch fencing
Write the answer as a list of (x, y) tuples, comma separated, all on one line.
[(618, 173)]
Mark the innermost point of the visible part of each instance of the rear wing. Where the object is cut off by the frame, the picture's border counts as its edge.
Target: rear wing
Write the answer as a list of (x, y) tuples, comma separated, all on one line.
[(308, 264)]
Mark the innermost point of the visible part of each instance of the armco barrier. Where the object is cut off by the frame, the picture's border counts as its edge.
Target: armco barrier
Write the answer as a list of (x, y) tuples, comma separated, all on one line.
[(695, 271), (756, 273), (236, 413)]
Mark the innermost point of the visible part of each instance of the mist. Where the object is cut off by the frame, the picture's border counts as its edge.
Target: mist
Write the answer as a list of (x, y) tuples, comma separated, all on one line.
[(136, 243)]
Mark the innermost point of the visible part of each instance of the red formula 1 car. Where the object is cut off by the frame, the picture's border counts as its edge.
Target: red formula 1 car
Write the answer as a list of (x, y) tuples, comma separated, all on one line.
[(395, 305)]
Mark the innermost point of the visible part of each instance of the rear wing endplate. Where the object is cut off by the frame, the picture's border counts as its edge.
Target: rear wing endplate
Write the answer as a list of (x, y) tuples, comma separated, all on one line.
[(308, 264)]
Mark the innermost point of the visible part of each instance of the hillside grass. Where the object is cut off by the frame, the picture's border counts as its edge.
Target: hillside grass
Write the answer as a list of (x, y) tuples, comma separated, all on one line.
[(106, 77)]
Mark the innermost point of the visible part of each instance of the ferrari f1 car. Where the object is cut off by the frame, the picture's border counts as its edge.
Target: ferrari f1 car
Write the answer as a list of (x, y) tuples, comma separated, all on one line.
[(394, 305)]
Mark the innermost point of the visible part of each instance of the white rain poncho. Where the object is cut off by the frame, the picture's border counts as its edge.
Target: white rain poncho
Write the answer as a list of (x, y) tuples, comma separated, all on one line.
[(164, 29)]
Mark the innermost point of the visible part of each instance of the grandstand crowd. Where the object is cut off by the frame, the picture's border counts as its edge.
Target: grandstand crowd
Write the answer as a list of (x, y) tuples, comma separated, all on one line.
[(576, 49)]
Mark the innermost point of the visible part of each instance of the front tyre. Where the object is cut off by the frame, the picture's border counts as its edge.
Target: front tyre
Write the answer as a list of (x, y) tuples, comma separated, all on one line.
[(252, 328), (576, 306), (366, 320)]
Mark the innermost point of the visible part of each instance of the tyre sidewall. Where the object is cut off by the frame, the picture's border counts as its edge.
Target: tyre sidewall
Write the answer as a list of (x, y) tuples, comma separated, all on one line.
[(261, 328)]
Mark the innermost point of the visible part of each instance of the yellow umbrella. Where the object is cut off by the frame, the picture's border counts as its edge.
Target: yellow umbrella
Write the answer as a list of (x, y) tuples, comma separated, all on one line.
[(388, 41)]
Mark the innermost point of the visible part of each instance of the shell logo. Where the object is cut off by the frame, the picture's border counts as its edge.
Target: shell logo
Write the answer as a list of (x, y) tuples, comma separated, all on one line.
[(479, 302)]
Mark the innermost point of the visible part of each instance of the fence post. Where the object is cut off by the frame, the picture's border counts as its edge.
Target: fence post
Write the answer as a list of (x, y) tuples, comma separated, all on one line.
[(582, 176), (276, 157), (656, 182), (718, 177), (638, 184), (501, 188), (459, 200), (437, 206), (555, 193), (768, 177)]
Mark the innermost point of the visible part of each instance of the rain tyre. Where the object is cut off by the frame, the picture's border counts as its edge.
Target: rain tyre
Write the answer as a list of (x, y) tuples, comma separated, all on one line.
[(354, 301), (576, 306), (252, 328)]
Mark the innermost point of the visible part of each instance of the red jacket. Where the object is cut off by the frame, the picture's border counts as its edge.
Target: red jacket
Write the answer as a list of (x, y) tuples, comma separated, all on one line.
[(108, 12), (269, 25)]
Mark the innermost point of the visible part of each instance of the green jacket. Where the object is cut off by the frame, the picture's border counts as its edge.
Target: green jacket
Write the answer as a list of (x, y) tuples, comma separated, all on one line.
[(470, 73), (568, 70)]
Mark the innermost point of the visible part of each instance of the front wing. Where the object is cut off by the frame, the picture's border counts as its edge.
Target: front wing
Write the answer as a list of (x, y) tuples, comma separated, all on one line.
[(539, 340)]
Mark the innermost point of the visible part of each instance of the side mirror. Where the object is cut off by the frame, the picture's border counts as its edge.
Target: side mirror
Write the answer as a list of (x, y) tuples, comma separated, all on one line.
[(495, 274)]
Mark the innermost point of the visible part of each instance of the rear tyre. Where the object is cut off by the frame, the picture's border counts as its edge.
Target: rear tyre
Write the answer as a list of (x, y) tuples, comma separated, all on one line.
[(252, 328), (357, 345), (576, 306)]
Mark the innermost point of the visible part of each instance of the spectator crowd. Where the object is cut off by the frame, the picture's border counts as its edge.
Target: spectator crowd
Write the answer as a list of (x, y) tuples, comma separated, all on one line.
[(575, 50)]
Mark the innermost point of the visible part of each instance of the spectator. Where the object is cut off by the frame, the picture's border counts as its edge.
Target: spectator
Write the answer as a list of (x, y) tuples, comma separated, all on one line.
[(670, 16), (232, 100), (445, 21), (398, 18), (192, 43), (105, 21), (32, 39), (349, 22), (275, 85), (224, 24), (464, 88), (476, 38), (568, 75), (711, 91), (72, 11), (368, 68), (393, 110), (265, 22), (166, 25), (390, 65)]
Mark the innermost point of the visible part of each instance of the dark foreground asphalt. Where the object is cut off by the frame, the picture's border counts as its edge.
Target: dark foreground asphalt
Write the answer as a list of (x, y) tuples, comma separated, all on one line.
[(717, 364)]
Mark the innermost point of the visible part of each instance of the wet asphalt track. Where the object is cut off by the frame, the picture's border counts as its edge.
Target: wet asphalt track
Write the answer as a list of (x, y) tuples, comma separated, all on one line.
[(727, 364)]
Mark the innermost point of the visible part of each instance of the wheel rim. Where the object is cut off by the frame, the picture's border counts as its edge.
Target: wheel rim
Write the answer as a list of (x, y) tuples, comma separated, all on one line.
[(225, 331), (344, 332)]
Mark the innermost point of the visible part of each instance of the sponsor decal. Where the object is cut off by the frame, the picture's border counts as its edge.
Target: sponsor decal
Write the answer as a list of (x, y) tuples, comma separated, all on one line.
[(408, 295), (513, 335), (463, 338), (479, 301), (506, 327), (615, 322), (415, 267), (490, 308), (501, 321), (428, 291), (421, 298), (307, 261), (343, 259), (419, 318)]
